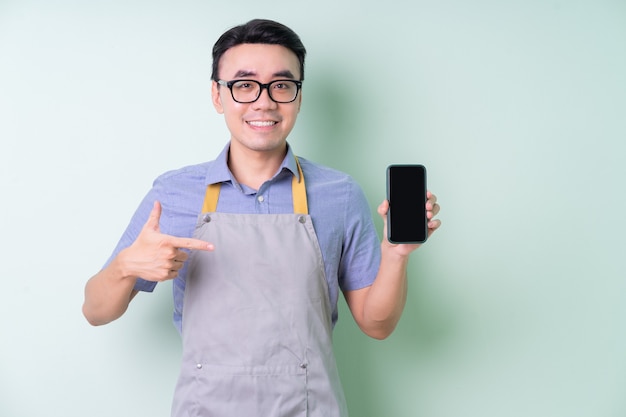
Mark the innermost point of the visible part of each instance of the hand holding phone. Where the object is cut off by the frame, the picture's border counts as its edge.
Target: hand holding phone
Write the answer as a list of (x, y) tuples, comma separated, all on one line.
[(406, 193)]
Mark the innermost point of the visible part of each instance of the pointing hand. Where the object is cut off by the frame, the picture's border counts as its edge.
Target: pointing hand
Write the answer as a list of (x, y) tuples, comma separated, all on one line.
[(155, 256)]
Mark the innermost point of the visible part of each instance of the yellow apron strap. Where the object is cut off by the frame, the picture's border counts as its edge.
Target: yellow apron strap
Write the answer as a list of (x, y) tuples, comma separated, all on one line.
[(298, 191), (211, 197)]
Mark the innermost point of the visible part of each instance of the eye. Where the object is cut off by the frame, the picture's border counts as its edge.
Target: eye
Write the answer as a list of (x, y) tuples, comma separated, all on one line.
[(243, 85), (283, 85)]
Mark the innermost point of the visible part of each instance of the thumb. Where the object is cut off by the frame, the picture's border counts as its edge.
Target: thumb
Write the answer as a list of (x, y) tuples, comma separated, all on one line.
[(155, 216), (382, 210)]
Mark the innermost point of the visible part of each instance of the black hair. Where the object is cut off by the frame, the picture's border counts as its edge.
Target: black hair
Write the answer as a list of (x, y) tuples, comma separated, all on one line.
[(258, 31)]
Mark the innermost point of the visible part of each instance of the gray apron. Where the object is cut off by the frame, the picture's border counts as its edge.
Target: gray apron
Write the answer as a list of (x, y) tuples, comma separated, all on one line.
[(257, 318)]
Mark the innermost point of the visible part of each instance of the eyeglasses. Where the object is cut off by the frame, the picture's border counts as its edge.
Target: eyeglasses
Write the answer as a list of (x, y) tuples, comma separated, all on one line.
[(249, 91)]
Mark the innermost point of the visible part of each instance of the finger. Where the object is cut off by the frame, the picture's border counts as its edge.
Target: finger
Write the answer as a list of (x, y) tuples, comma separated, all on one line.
[(181, 256), (176, 265), (433, 225), (173, 265), (383, 208), (432, 213), (431, 200), (190, 243), (171, 274), (155, 216)]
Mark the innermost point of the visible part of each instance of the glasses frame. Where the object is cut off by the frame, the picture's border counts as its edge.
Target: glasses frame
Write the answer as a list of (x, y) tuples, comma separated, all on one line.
[(262, 86)]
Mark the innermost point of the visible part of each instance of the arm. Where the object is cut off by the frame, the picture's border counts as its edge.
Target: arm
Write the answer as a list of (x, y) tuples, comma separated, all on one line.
[(377, 308), (108, 294), (152, 256)]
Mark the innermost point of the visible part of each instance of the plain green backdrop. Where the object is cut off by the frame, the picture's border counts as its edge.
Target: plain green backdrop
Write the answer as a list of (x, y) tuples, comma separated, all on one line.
[(517, 306)]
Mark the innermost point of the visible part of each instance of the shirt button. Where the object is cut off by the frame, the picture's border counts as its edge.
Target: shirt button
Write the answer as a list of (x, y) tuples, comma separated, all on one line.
[(199, 366), (303, 365), (260, 198)]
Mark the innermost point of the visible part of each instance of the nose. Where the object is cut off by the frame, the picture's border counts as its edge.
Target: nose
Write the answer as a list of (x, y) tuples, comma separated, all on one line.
[(264, 101)]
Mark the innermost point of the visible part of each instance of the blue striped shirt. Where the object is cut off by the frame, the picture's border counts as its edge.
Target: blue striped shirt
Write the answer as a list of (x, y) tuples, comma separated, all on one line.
[(337, 205)]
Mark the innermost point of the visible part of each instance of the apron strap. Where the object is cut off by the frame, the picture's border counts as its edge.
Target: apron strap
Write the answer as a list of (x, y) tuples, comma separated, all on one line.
[(210, 198), (298, 191)]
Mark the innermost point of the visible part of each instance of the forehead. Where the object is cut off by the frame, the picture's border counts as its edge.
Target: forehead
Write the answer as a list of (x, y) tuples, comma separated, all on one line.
[(259, 61)]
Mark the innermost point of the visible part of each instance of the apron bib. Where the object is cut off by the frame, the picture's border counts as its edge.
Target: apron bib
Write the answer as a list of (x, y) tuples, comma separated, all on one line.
[(256, 329)]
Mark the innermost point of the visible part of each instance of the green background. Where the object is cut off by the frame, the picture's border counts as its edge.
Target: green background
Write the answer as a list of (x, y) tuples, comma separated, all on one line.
[(517, 305)]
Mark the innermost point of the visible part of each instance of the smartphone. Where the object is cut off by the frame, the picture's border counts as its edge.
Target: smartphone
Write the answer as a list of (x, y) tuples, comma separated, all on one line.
[(406, 192)]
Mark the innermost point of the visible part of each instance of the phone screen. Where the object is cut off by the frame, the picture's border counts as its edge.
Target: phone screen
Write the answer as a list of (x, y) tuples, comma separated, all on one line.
[(406, 192)]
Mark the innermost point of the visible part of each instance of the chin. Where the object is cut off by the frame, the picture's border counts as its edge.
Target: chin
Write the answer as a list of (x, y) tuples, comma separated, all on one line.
[(264, 145)]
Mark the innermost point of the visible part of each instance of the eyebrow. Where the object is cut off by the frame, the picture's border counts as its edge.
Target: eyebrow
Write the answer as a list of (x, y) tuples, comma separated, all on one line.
[(247, 73)]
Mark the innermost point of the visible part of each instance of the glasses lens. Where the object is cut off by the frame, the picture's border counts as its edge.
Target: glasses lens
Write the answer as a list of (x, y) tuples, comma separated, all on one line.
[(283, 91), (245, 91)]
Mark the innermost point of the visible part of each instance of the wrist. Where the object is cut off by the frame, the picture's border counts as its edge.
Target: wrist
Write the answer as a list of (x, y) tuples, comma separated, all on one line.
[(395, 252), (122, 266)]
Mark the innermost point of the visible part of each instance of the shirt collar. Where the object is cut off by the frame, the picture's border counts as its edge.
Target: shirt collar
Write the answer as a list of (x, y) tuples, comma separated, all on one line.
[(218, 171)]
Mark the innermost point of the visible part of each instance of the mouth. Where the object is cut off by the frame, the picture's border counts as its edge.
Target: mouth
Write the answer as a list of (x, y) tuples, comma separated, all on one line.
[(262, 123)]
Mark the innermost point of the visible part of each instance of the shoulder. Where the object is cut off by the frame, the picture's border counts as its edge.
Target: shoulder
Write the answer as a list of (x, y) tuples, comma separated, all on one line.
[(181, 191), (333, 193), (320, 175), (331, 183), (187, 174)]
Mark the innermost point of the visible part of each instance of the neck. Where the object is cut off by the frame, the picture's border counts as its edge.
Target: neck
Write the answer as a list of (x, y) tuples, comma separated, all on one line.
[(253, 168)]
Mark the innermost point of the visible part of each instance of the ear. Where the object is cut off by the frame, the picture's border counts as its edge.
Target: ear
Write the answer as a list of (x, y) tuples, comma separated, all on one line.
[(216, 98)]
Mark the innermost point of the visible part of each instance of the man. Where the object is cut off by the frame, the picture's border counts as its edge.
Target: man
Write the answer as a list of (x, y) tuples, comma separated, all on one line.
[(258, 244)]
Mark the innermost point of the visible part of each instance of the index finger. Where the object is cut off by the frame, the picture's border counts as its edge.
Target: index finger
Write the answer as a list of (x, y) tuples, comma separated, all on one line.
[(191, 243)]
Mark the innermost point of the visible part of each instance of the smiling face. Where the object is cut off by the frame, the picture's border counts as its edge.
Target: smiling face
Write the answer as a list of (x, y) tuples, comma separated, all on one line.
[(261, 126)]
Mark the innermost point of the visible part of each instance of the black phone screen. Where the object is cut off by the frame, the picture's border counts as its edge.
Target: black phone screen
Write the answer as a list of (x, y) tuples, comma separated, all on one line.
[(406, 192)]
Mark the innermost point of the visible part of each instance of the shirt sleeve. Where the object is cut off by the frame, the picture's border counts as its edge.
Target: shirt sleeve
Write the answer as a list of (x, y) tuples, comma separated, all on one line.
[(133, 229), (360, 258)]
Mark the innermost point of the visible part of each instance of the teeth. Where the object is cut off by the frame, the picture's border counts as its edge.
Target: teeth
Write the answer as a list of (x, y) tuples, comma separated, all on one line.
[(262, 124)]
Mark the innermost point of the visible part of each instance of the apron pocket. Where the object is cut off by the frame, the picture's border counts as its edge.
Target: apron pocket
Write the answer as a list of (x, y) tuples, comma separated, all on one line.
[(276, 391)]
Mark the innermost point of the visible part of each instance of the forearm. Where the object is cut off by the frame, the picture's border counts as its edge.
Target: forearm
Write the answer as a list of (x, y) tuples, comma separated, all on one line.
[(385, 299), (107, 294), (377, 308)]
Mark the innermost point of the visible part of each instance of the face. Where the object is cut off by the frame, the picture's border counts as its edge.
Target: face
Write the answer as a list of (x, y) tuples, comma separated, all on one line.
[(261, 126)]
